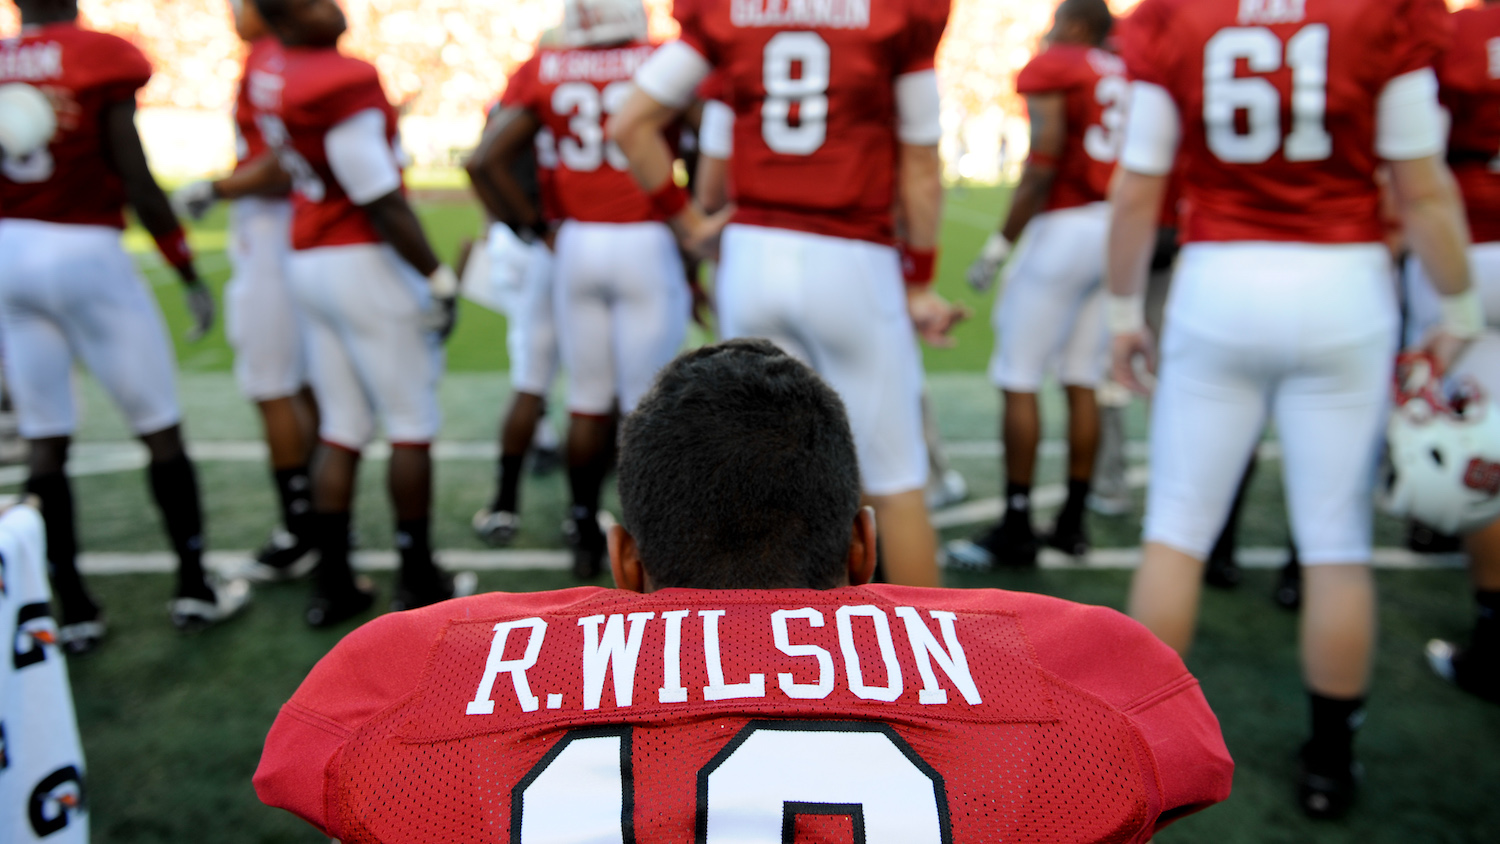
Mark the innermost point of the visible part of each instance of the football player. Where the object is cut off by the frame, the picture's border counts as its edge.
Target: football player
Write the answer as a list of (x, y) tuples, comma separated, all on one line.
[(377, 300), (744, 681), (522, 234), (1283, 303), (68, 290), (620, 295), (1469, 73), (836, 116), (1049, 315), (264, 325)]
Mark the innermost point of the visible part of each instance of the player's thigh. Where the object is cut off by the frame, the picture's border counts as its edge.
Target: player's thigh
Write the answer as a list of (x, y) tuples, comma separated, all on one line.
[(346, 415), (1056, 268), (758, 288), (262, 321), (581, 297), (650, 308), (860, 339), (1085, 356), (114, 326), (531, 328), (399, 360), (38, 360)]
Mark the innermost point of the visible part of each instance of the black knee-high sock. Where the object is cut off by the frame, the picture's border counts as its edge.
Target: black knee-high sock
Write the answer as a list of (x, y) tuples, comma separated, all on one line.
[(294, 488), (1487, 623), (508, 484), (586, 481), (1018, 505), (1070, 518), (414, 544), (330, 535), (174, 485), (1334, 722), (56, 495)]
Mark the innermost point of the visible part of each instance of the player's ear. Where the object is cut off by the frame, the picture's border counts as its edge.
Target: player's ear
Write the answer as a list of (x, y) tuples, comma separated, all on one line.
[(862, 548), (625, 561)]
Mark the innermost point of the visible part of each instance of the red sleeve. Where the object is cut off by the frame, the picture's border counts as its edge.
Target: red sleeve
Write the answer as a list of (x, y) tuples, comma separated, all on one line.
[(713, 88), (924, 31), (1045, 73), (367, 671), (1146, 43), (521, 89), (689, 15), (1424, 29), (1108, 654), (123, 69)]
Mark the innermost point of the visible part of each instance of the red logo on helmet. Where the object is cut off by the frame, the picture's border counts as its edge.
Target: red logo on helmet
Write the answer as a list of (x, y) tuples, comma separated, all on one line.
[(1482, 476)]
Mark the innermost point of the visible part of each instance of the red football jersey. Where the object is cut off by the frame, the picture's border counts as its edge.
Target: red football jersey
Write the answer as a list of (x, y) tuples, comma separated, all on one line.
[(812, 88), (81, 72), (1278, 106), (1092, 84), (249, 145), (925, 715), (298, 96), (572, 92), (1470, 76)]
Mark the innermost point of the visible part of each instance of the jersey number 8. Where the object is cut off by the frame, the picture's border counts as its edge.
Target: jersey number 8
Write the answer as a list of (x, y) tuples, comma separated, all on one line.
[(755, 789), (1226, 95), (808, 91)]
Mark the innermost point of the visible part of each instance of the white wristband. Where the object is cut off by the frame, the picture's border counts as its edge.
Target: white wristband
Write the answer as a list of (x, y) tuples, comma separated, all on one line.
[(1125, 314), (444, 282), (1463, 315), (996, 248)]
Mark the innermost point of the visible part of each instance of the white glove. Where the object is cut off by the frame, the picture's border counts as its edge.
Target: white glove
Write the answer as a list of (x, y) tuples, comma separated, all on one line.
[(193, 200), (200, 304), (443, 314), (985, 267)]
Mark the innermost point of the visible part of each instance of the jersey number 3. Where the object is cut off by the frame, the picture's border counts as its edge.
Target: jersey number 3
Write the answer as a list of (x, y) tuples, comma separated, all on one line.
[(767, 777), (1226, 95)]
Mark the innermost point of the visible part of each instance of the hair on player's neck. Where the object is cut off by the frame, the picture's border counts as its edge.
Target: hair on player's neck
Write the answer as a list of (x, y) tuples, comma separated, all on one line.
[(1085, 22), (41, 12), (738, 471)]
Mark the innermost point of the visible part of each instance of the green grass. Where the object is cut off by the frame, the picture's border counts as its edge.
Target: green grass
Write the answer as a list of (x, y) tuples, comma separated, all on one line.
[(173, 724)]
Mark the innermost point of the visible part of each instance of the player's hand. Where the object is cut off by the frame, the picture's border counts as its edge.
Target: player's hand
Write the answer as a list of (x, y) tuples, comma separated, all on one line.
[(442, 314), (985, 267), (194, 200), (1133, 357), (1444, 349), (698, 233), (933, 316), (703, 304), (200, 304)]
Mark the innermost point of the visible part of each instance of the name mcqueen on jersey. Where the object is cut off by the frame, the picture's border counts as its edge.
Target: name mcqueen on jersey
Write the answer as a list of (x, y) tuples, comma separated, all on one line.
[(612, 644)]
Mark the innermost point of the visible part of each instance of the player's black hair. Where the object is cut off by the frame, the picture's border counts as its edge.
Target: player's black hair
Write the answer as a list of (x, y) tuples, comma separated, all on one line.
[(738, 471), (1094, 14), (271, 10)]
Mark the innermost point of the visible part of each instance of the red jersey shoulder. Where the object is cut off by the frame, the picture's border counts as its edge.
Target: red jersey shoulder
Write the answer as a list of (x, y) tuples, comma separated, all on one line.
[(1423, 30), (112, 62), (1472, 63), (1146, 42), (520, 87), (1062, 67), (925, 22), (326, 86)]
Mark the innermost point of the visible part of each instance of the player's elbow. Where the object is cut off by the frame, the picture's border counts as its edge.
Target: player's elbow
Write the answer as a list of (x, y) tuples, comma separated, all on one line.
[(634, 121)]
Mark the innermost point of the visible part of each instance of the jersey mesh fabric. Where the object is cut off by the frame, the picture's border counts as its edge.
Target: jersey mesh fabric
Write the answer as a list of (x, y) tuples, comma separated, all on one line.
[(842, 186), (82, 72), (572, 93), (1038, 758), (1090, 81), (250, 145), (1327, 198), (1470, 77)]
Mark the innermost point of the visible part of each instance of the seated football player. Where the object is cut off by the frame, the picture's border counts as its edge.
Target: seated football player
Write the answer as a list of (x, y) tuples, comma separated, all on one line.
[(744, 682)]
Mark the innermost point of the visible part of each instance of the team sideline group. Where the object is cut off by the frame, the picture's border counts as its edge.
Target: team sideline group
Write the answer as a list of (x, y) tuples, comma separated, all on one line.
[(1275, 161)]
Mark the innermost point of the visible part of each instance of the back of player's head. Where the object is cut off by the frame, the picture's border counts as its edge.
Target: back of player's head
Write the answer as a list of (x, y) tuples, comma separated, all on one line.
[(313, 23), (594, 23), (738, 471), (1093, 15)]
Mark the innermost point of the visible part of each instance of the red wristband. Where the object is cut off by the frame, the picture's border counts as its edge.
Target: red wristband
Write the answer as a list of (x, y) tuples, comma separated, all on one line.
[(917, 265), (668, 200), (174, 247)]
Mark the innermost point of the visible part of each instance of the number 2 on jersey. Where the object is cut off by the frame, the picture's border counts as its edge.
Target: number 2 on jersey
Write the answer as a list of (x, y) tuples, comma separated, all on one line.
[(1225, 95), (754, 789)]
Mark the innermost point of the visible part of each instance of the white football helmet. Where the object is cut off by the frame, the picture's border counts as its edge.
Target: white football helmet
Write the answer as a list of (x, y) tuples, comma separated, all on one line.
[(1443, 452), (591, 23), (27, 121)]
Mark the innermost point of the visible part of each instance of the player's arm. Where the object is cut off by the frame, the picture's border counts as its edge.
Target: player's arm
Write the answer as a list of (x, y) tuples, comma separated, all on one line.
[(664, 88), (1409, 136), (491, 171), (1049, 135), (365, 166), (715, 146), (128, 158), (1152, 134), (919, 183), (262, 176)]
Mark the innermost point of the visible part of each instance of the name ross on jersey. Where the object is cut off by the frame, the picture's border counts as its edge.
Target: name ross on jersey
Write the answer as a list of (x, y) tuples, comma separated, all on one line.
[(612, 647), (833, 14), (592, 65), (41, 60), (1272, 11)]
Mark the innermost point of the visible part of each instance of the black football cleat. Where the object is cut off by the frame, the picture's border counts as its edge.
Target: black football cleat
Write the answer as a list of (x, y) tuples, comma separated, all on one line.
[(284, 556), (1326, 792), (1466, 668), (1073, 541), (496, 527), (81, 627), (432, 587), (327, 610), (999, 547), (1222, 571), (1288, 591)]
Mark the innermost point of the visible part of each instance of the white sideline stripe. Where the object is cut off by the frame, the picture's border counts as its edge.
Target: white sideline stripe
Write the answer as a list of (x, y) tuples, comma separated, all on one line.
[(544, 560)]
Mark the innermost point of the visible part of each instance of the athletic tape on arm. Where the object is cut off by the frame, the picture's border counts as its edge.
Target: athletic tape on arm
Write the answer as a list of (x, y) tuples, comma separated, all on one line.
[(1153, 130), (672, 74), (919, 108), (361, 157), (1408, 119)]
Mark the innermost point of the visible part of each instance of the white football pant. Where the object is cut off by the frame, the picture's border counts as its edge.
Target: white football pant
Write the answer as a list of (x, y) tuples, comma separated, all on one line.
[(261, 319)]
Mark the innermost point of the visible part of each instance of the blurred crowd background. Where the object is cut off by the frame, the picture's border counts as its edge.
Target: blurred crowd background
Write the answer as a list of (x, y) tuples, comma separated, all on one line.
[(444, 61)]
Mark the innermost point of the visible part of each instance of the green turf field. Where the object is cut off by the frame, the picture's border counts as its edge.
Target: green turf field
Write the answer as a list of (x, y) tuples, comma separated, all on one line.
[(172, 724)]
